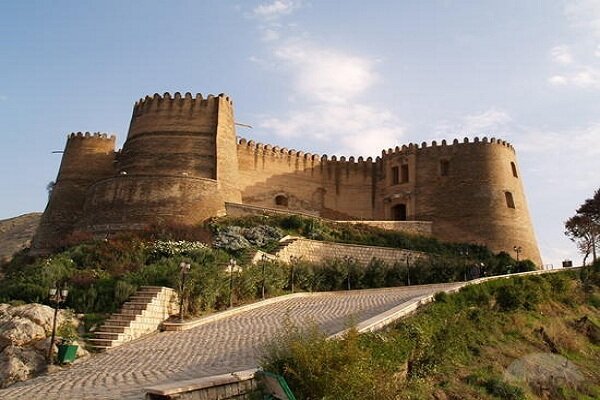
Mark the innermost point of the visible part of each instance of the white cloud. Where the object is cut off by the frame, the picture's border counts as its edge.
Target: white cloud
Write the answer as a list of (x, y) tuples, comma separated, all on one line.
[(326, 74), (275, 9), (327, 89), (584, 17), (585, 77), (486, 121), (558, 80), (269, 34), (561, 55), (353, 129), (584, 14)]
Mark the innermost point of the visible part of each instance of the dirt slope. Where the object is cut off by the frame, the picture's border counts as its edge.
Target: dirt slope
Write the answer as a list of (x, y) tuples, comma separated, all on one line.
[(16, 233)]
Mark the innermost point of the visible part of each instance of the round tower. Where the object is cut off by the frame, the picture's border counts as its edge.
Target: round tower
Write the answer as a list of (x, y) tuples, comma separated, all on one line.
[(178, 165), (86, 159), (472, 192)]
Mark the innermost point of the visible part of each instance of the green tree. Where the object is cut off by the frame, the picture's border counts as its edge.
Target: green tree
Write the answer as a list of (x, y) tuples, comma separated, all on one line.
[(584, 227)]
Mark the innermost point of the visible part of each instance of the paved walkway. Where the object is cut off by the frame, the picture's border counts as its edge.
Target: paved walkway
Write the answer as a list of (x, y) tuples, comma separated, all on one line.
[(230, 344)]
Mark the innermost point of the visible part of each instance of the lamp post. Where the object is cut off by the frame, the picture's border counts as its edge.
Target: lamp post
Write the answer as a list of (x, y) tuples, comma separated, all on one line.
[(264, 264), (349, 260), (231, 268), (465, 254), (408, 269), (518, 250), (184, 269), (56, 296), (293, 261)]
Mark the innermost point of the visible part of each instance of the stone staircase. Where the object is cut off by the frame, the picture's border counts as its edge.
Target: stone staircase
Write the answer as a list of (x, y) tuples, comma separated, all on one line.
[(140, 315)]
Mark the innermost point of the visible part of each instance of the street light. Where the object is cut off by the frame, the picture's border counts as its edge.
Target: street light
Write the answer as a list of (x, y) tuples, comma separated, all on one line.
[(55, 296), (293, 261), (465, 254), (184, 269), (264, 263), (231, 268), (408, 268), (349, 260), (518, 250)]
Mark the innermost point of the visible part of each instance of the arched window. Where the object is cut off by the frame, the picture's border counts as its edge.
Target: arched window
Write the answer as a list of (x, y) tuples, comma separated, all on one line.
[(395, 175), (281, 200), (404, 173), (510, 202), (514, 169), (399, 212), (444, 167)]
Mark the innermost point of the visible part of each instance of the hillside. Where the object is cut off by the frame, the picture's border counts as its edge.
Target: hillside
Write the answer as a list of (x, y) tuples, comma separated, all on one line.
[(16, 233), (523, 338)]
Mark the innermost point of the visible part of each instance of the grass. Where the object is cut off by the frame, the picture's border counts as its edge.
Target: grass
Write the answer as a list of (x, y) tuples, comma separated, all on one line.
[(459, 347)]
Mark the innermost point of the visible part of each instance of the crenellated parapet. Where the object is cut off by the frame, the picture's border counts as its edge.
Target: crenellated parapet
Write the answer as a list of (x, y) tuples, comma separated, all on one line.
[(412, 148), (177, 102), (181, 162), (91, 136), (273, 153)]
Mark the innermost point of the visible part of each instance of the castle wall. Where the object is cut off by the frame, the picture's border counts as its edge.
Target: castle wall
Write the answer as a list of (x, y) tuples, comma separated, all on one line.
[(86, 159), (178, 165), (468, 201), (172, 136), (181, 163), (134, 202), (334, 188)]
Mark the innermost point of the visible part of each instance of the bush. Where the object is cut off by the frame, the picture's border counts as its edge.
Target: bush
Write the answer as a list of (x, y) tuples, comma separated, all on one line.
[(317, 368), (503, 390)]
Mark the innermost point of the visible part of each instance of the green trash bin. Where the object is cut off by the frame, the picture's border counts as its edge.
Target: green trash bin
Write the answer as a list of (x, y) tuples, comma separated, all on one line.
[(67, 353)]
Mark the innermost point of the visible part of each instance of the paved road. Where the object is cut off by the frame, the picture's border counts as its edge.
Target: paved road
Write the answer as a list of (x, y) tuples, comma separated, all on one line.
[(230, 344)]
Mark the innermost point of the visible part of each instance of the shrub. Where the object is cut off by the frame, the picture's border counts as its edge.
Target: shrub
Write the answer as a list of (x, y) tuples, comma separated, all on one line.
[(318, 368), (503, 390)]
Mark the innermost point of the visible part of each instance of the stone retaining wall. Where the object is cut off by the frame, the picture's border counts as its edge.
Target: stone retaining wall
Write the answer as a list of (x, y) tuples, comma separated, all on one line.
[(241, 210), (316, 252), (423, 228), (234, 386)]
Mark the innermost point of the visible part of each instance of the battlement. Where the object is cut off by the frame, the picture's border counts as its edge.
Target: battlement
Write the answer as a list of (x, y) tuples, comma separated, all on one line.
[(177, 101), (90, 136), (414, 147), (182, 161), (278, 152)]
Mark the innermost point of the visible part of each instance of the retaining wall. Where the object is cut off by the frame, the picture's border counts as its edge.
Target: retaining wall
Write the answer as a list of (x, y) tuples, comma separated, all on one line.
[(316, 252)]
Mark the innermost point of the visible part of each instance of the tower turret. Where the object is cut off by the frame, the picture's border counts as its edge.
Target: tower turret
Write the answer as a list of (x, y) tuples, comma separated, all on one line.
[(178, 165), (86, 159)]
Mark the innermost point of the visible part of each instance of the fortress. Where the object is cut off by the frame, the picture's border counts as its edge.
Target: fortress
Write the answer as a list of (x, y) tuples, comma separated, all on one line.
[(182, 163)]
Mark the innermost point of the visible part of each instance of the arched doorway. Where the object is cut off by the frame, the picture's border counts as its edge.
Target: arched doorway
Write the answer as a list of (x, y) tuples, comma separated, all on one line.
[(399, 212), (281, 200)]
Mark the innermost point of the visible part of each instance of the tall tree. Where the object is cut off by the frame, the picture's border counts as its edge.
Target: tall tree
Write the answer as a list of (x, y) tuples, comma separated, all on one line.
[(584, 227)]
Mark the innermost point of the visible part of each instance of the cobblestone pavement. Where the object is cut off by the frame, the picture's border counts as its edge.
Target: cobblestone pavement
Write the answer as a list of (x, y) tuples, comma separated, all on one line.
[(230, 344)]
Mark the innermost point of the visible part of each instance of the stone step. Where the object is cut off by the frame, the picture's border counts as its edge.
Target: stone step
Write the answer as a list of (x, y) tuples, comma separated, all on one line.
[(141, 314), (158, 308), (107, 335), (113, 328), (150, 289), (121, 317), (102, 342)]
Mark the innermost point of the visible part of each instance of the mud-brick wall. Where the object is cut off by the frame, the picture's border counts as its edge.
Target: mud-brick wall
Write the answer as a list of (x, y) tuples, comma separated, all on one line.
[(87, 158), (308, 182), (421, 228), (132, 201), (316, 251), (463, 188)]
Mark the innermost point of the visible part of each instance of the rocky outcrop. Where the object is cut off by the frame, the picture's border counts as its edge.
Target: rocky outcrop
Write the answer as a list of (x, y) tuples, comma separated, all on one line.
[(16, 234), (24, 340)]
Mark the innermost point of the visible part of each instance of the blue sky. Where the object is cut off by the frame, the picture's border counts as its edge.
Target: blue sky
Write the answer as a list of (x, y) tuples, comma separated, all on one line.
[(330, 77)]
